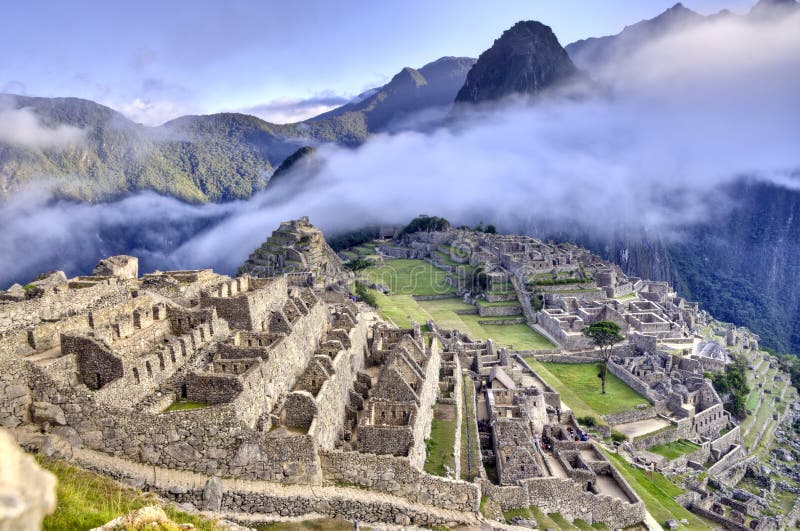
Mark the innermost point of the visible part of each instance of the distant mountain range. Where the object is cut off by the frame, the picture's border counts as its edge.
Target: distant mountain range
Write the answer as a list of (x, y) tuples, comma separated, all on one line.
[(595, 53), (216, 157)]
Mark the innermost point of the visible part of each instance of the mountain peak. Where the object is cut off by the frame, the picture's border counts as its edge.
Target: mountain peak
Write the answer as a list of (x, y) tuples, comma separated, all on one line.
[(597, 51), (526, 59), (407, 77), (774, 8)]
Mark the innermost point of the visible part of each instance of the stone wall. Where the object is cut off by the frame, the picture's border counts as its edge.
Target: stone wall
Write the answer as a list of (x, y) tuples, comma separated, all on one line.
[(334, 394), (634, 382), (397, 475), (52, 306), (141, 375), (568, 498), (664, 436), (632, 415), (15, 397), (264, 384), (427, 399), (385, 440), (714, 517), (211, 440), (735, 454), (499, 311), (209, 388), (458, 398), (724, 442), (245, 302)]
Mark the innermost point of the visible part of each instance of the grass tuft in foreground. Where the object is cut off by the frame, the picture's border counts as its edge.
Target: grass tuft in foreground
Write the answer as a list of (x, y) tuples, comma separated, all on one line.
[(87, 500)]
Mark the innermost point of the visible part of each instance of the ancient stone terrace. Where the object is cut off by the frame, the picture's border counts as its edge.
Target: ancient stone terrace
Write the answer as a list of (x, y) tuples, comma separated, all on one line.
[(397, 414), (299, 249), (129, 356), (248, 303)]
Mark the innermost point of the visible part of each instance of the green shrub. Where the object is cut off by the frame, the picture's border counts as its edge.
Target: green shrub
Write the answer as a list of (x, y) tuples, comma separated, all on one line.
[(357, 264), (733, 382), (363, 293), (425, 223), (618, 436), (587, 421)]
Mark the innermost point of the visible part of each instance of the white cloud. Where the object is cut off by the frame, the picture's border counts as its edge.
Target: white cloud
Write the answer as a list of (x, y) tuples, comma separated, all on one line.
[(152, 112), (687, 118), (291, 110), (22, 127)]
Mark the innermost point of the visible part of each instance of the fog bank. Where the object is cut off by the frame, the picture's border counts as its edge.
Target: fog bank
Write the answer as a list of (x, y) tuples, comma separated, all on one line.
[(674, 125)]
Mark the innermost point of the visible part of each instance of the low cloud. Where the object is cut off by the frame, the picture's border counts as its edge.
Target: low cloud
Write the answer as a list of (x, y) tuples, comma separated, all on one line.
[(658, 151), (152, 112), (23, 127), (291, 110)]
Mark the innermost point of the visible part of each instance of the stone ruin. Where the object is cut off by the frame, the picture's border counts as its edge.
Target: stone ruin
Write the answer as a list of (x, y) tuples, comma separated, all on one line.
[(663, 358), (276, 376), (298, 249), (282, 380), (535, 449)]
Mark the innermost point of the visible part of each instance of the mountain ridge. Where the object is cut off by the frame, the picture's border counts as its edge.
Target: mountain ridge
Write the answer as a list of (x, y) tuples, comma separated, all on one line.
[(204, 158)]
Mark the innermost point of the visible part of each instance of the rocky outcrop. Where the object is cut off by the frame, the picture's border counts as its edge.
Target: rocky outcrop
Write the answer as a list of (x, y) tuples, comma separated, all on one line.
[(526, 59), (297, 247), (27, 493), (121, 266)]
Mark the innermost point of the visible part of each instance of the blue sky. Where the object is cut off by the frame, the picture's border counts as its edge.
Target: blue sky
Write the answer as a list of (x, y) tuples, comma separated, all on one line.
[(157, 60)]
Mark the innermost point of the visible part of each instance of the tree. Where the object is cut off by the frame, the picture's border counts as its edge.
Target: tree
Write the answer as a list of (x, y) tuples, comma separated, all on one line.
[(604, 334), (491, 229), (357, 264)]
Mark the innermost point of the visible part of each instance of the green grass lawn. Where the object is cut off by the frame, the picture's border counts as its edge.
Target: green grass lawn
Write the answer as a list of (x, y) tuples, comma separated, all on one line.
[(416, 277), (87, 500), (409, 277), (580, 388), (627, 297), (441, 441), (516, 336), (674, 449), (469, 430), (658, 494), (753, 424), (182, 405), (401, 310), (752, 398), (445, 257)]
